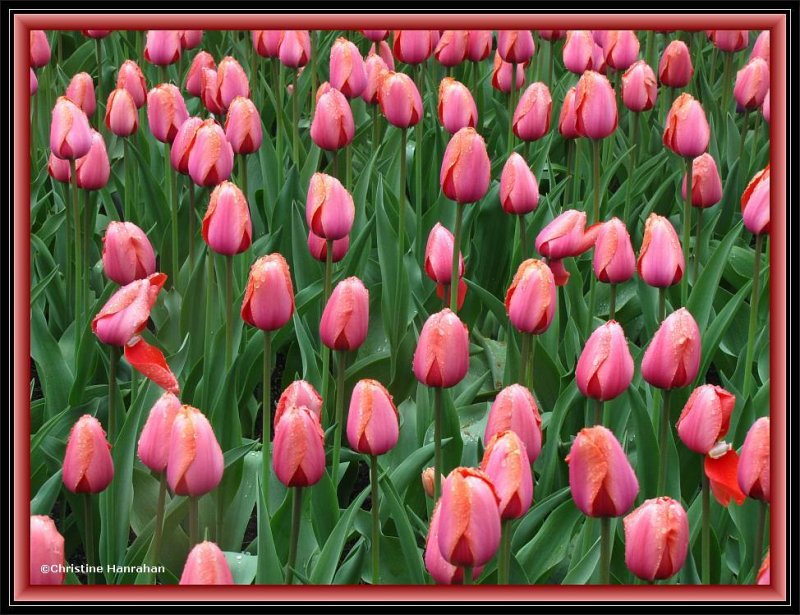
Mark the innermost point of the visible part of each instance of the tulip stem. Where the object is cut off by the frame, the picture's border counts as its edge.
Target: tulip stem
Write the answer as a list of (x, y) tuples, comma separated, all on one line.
[(662, 304), (751, 329), (504, 555), (525, 353), (98, 51), (277, 84), (337, 438), (209, 334), (612, 302), (650, 48), (401, 199), (726, 84), (598, 412), (348, 166), (418, 186), (698, 236), (529, 382), (157, 531), (243, 174), (456, 253), (478, 93), (326, 352), (193, 521), (663, 432), (759, 541), (523, 235), (376, 520), (596, 191), (467, 575), (228, 311), (88, 538), (754, 144), (634, 121), (605, 550), (174, 215), (687, 232), (297, 507), (190, 186), (266, 385), (128, 181), (375, 127), (511, 96), (295, 120), (705, 553), (76, 222), (437, 443), (112, 393)]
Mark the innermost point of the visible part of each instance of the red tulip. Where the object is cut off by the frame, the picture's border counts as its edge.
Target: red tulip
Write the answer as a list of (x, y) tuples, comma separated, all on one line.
[(166, 111), (211, 155), (39, 49), (70, 134), (332, 127), (226, 226), (87, 466), (372, 421), (125, 314), (763, 576), (440, 569), (34, 83), (442, 355), (601, 479), (501, 75), (298, 394), (595, 106), (675, 69), (131, 78), (412, 46), (706, 184), (231, 82), (206, 565), (329, 207), (48, 566), (753, 473), (531, 119), (566, 235), (722, 475), (507, 465), (639, 87), (479, 45), (515, 46), (457, 108), (127, 253), (298, 450), (605, 367), (375, 35), (752, 84), (761, 47), (399, 99), (153, 448), (122, 116), (151, 363), (614, 261), (515, 409), (577, 52), (755, 203), (567, 119), (345, 318), (243, 126), (319, 247), (267, 42), (163, 47), (182, 145), (269, 297), (621, 48), (451, 48), (195, 464), (81, 91), (730, 40), (201, 60), (347, 72), (439, 256), (190, 38), (294, 49), (686, 131), (673, 357), (519, 190), (531, 298), (93, 169), (656, 539), (661, 262), (466, 169)]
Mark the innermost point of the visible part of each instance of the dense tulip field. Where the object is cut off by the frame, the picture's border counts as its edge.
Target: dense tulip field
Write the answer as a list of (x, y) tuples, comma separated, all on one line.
[(399, 307)]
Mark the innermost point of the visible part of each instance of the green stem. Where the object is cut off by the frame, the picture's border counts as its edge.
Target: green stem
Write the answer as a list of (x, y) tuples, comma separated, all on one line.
[(743, 137), (277, 83), (523, 234), (208, 329), (376, 520), (437, 443), (192, 214), (663, 432), (456, 252), (662, 304), (634, 136), (592, 303), (243, 173), (504, 554), (596, 179), (326, 352), (375, 128), (727, 88), (193, 521), (758, 549), (418, 189), (511, 96), (754, 145), (751, 329), (698, 245), (266, 384), (575, 169), (297, 507), (159, 528), (128, 181), (401, 199), (173, 215), (467, 575), (295, 120), (78, 281), (598, 412), (348, 166), (687, 232), (315, 51), (228, 311), (525, 353), (529, 382), (337, 438), (706, 530), (478, 93), (98, 50), (87, 239), (612, 302), (114, 353), (550, 60), (650, 47), (605, 550), (88, 544)]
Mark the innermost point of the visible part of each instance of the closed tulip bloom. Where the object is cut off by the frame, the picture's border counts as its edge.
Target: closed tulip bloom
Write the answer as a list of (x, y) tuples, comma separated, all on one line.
[(443, 292), (675, 68), (243, 126), (34, 83), (761, 47), (730, 40), (595, 106), (372, 421), (515, 409), (765, 107), (267, 42), (227, 228), (427, 481), (399, 99), (755, 203), (39, 49), (601, 37), (201, 60), (598, 60), (568, 119), (442, 355), (48, 566), (125, 314), (656, 539), (706, 183), (466, 169), (531, 119), (383, 50), (195, 464), (753, 473), (705, 418), (614, 261), (752, 84), (190, 38), (131, 78), (763, 576), (531, 298), (621, 48), (439, 255), (686, 131), (153, 448), (442, 571), (515, 46), (93, 169), (605, 367), (332, 127), (269, 298), (345, 318), (330, 210), (58, 169), (206, 565), (211, 155), (127, 253), (506, 463), (231, 82), (639, 87), (81, 91), (451, 48), (122, 116), (70, 134), (375, 35), (552, 35), (347, 72), (87, 466), (182, 145), (501, 75), (479, 45), (566, 235), (298, 452), (298, 394), (457, 108), (375, 69), (519, 190), (469, 530), (319, 247), (577, 52), (209, 91), (96, 33), (163, 47), (601, 479), (294, 49), (673, 357), (166, 111), (412, 46), (661, 262)]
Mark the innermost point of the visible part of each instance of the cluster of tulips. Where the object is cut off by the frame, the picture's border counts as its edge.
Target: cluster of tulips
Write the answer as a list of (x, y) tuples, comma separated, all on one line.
[(472, 510)]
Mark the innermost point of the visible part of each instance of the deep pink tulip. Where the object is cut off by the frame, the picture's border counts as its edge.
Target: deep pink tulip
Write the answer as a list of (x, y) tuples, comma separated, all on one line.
[(294, 49), (614, 261), (501, 75), (595, 106), (531, 119), (48, 566), (206, 565), (34, 83), (209, 91), (566, 235), (413, 46), (70, 134), (479, 45), (372, 421), (515, 46), (347, 72), (125, 314), (761, 47), (298, 394), (531, 298), (705, 418), (656, 539), (191, 38), (375, 35), (166, 111), (621, 48), (507, 465), (552, 35), (399, 99), (730, 40), (195, 464), (639, 87), (706, 183), (127, 253), (755, 203), (163, 47), (267, 42), (675, 69), (131, 78), (298, 449), (122, 116), (686, 131), (231, 82), (330, 210), (227, 228), (466, 169), (439, 255), (672, 358), (601, 479), (442, 355), (451, 48), (211, 155), (243, 126), (319, 247), (375, 68), (515, 409), (577, 52), (605, 367), (96, 33), (202, 60), (182, 145), (39, 49), (753, 472), (81, 91), (660, 262), (93, 169), (442, 571), (87, 467), (519, 190), (752, 84), (153, 448), (457, 108), (345, 319), (332, 127), (269, 297), (567, 119)]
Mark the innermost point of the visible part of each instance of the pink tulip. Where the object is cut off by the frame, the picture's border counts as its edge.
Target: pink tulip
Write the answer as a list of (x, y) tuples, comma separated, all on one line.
[(451, 48), (515, 46), (96, 33), (298, 394), (752, 84), (675, 69), (531, 119), (601, 37), (243, 126), (515, 409), (577, 52), (439, 255), (163, 47), (567, 119), (87, 466), (412, 46), (182, 145), (595, 106), (621, 49), (479, 45), (332, 127), (605, 367), (294, 49), (705, 418), (383, 50), (598, 60), (399, 99), (552, 35), (330, 210), (58, 169), (190, 38), (730, 40), (201, 60), (673, 357), (531, 298), (375, 35), (507, 465), (639, 87), (93, 169), (166, 111), (70, 134), (34, 83), (122, 116), (755, 203), (519, 190), (427, 481), (39, 49), (298, 450), (131, 78), (269, 297), (319, 247), (81, 91), (501, 75), (656, 539), (372, 421), (706, 184), (763, 576), (127, 253), (227, 228), (614, 261), (206, 565), (209, 91), (661, 262), (267, 42), (48, 566), (442, 355), (686, 131), (457, 108), (153, 448), (211, 155), (375, 68), (601, 479), (345, 318), (566, 235), (753, 473), (347, 72), (765, 107), (466, 169), (126, 313), (195, 463), (442, 571), (231, 82), (761, 47)]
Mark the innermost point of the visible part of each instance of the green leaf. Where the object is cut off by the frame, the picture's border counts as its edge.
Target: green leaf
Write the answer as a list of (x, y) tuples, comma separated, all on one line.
[(243, 567), (408, 543), (43, 502), (550, 544), (51, 368)]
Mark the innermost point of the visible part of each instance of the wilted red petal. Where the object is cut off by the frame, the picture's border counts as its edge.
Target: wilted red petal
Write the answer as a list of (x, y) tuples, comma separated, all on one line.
[(721, 474), (149, 361)]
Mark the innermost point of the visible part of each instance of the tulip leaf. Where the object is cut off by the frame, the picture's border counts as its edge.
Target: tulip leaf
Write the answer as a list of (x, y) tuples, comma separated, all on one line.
[(52, 370), (549, 546), (43, 502), (408, 544), (242, 566)]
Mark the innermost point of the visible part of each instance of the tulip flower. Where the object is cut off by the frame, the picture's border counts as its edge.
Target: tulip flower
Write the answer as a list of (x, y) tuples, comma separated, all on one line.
[(479, 45), (206, 565), (195, 463), (127, 253), (706, 183), (614, 261), (226, 226), (501, 75), (299, 394), (39, 49), (330, 210), (319, 247), (519, 190), (755, 203), (70, 134), (427, 481), (298, 456), (48, 566), (332, 127), (661, 262), (375, 69), (150, 361), (675, 68), (730, 40), (531, 298), (199, 62), (656, 539), (441, 358), (506, 462), (268, 302), (375, 35), (294, 49), (182, 145), (439, 255), (267, 42), (595, 106), (752, 84), (126, 312), (605, 367), (58, 169), (96, 33), (673, 356), (346, 316), (686, 131), (639, 87), (87, 466), (720, 466), (621, 48), (412, 46), (705, 418), (163, 47), (131, 78), (765, 107), (372, 421), (761, 47), (754, 462), (456, 108), (122, 116), (211, 155), (399, 100), (567, 119), (153, 447), (566, 235), (34, 83), (763, 576), (465, 173), (552, 35), (451, 48), (347, 72), (81, 91), (166, 111), (515, 409), (515, 46), (190, 38), (531, 119), (93, 169), (243, 126), (209, 91), (442, 571), (577, 52), (443, 292), (231, 82)]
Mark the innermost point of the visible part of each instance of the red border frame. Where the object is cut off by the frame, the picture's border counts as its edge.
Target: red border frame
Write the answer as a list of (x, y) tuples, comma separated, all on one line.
[(24, 592)]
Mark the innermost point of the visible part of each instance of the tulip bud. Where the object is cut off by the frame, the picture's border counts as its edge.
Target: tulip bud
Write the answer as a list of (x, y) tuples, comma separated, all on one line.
[(209, 91), (686, 131), (127, 253), (59, 169), (96, 33), (182, 145), (226, 226), (427, 481), (70, 134), (466, 169), (267, 42), (442, 571), (47, 552), (761, 47), (243, 126), (210, 156), (298, 394), (457, 108), (469, 530), (639, 88), (399, 99), (319, 247), (345, 318), (605, 367), (206, 565), (601, 479), (721, 467), (39, 49), (567, 119), (332, 127), (441, 358), (269, 298), (383, 51), (673, 357), (656, 539), (131, 78), (87, 466), (298, 450), (122, 116), (765, 107), (675, 69), (595, 106), (375, 68), (347, 72), (375, 35), (752, 84), (412, 46), (479, 45), (195, 464), (515, 46), (515, 409), (126, 312), (519, 190), (763, 576), (598, 60), (753, 473), (329, 207), (506, 463), (552, 35), (730, 40), (531, 119), (501, 75), (451, 48), (93, 169), (601, 37), (372, 421), (153, 448), (531, 298), (620, 48), (439, 255), (577, 52), (614, 261), (755, 203), (201, 60), (190, 38), (163, 47), (443, 292), (81, 91), (166, 111), (566, 235), (706, 184), (34, 83), (660, 261), (294, 49)]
